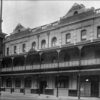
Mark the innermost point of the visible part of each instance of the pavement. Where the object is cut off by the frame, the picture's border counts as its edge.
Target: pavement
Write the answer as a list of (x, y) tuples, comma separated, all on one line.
[(21, 96)]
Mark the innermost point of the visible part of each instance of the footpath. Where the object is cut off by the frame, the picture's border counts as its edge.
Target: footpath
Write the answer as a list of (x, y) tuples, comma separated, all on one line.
[(44, 97)]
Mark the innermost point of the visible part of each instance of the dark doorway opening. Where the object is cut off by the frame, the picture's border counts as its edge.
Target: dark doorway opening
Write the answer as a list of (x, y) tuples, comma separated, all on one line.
[(94, 88), (43, 85)]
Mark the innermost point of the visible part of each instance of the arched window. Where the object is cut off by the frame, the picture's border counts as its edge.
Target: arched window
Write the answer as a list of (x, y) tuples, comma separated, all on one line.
[(76, 12), (43, 44), (68, 38), (33, 45), (98, 31), (83, 35), (54, 41)]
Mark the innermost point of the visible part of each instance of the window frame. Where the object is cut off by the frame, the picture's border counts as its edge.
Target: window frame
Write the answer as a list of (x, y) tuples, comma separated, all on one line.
[(33, 45), (63, 82), (98, 32), (23, 47), (15, 49), (68, 40), (7, 50), (82, 35), (43, 44), (54, 41)]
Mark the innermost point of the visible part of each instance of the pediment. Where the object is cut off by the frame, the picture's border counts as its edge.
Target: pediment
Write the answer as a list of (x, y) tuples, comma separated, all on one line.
[(19, 28), (75, 9)]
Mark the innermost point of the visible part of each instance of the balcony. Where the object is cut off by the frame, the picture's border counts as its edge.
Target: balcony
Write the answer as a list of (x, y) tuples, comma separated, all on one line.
[(85, 62)]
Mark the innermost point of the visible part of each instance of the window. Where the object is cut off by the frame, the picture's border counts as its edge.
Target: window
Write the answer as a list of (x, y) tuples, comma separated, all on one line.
[(7, 50), (68, 38), (34, 45), (98, 31), (27, 82), (23, 47), (43, 44), (54, 41), (17, 83), (83, 35), (63, 82), (76, 12), (9, 82), (15, 49)]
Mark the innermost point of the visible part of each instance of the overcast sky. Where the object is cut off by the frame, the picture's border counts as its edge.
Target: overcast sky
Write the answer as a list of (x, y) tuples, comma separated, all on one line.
[(36, 13)]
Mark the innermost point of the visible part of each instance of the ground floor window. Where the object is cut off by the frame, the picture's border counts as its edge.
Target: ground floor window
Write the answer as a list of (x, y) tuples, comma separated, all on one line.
[(9, 82), (17, 83), (62, 82), (28, 82)]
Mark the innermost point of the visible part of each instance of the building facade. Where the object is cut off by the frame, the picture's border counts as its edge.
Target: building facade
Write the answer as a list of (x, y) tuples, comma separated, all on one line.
[(61, 58)]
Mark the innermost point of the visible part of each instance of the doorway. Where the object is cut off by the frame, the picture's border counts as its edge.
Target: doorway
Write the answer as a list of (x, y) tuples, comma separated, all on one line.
[(94, 88), (43, 85)]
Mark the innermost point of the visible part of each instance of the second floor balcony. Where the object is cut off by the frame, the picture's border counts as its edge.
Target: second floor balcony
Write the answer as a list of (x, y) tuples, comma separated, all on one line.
[(68, 59)]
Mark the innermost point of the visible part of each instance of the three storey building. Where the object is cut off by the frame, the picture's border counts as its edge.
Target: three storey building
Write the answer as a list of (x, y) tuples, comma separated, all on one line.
[(61, 58)]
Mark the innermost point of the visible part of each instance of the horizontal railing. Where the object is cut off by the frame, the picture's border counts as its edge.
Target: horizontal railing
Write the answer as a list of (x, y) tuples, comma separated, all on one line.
[(84, 62)]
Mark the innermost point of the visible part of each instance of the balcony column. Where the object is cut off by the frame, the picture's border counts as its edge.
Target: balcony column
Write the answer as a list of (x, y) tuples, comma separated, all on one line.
[(40, 53), (58, 51), (48, 34), (79, 73), (0, 76), (24, 74), (12, 58)]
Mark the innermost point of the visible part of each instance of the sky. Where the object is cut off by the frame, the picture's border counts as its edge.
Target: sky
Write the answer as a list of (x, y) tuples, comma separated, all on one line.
[(37, 12)]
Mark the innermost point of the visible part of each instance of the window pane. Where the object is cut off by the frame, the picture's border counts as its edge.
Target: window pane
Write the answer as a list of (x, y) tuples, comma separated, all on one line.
[(15, 48), (34, 45), (54, 41), (98, 32), (43, 44), (83, 35), (7, 51), (23, 47), (68, 38)]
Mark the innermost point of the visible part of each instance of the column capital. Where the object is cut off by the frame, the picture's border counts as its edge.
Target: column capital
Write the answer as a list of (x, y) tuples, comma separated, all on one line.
[(48, 33), (58, 50), (40, 53), (12, 58), (25, 55), (80, 47)]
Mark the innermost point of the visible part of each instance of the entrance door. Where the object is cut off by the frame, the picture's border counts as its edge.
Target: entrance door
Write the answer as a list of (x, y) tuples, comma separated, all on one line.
[(94, 88), (43, 85)]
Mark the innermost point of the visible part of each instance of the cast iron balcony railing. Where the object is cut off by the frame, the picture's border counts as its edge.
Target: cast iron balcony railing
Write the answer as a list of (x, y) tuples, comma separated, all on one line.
[(84, 62)]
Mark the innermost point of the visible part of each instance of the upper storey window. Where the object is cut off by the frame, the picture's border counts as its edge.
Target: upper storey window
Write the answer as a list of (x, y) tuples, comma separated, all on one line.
[(68, 38), (98, 31), (33, 45), (54, 41), (15, 49), (7, 50), (23, 47), (83, 35), (43, 44)]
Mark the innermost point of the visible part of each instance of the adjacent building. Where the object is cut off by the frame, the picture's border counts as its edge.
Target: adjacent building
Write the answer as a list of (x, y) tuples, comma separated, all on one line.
[(61, 58)]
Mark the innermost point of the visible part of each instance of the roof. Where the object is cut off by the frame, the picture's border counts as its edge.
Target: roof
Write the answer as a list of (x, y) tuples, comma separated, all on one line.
[(83, 12)]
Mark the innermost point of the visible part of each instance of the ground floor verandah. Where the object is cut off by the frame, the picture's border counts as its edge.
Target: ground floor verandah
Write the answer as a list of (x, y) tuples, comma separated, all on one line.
[(66, 84)]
